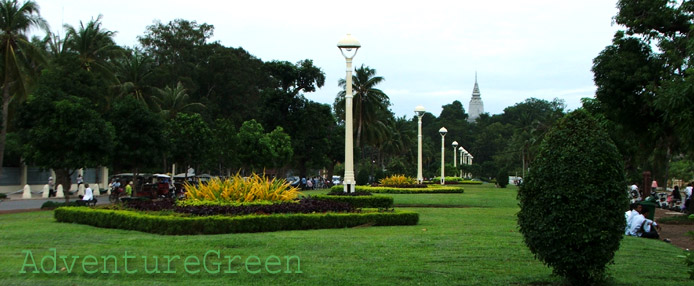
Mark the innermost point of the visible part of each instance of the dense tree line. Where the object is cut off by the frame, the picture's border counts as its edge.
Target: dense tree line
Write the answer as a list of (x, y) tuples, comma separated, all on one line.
[(179, 98)]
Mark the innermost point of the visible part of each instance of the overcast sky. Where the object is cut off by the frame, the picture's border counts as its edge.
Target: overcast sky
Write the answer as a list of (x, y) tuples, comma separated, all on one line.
[(427, 51)]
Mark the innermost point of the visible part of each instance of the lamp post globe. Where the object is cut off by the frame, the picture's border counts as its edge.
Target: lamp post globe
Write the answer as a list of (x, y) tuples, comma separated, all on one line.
[(419, 111), (348, 47), (443, 132)]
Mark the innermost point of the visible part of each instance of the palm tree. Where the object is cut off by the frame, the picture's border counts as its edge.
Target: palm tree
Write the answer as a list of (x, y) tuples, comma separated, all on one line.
[(15, 22), (133, 70), (171, 101), (369, 102), (94, 45)]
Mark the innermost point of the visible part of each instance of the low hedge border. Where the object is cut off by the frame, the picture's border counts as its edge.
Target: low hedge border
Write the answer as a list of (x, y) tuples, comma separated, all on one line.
[(218, 224), (387, 190), (380, 202)]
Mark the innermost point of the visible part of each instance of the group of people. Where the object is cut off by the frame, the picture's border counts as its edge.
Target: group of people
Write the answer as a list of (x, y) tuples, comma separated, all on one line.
[(675, 198), (638, 224), (312, 183)]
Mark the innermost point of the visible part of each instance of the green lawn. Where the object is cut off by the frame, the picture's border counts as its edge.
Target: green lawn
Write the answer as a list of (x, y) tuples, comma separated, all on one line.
[(475, 243)]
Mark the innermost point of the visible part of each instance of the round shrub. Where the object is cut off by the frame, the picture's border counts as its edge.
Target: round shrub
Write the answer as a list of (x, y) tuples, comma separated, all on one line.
[(362, 177), (502, 178), (573, 200)]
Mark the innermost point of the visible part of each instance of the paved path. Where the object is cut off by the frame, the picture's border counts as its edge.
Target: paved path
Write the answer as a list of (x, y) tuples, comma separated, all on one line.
[(15, 202)]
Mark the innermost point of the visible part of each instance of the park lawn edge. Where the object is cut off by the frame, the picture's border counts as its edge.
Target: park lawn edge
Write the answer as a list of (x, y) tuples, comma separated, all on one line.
[(219, 224)]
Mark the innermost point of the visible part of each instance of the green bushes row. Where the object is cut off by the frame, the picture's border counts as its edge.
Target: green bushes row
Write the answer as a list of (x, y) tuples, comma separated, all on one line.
[(381, 202), (3, 196), (391, 190), (51, 204), (179, 225)]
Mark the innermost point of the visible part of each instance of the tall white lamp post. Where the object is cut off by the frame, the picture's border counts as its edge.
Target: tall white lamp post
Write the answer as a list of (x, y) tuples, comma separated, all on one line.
[(460, 149), (419, 110), (455, 157), (348, 47), (443, 132)]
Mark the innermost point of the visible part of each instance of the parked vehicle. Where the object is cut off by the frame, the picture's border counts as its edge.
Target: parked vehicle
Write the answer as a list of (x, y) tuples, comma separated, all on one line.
[(337, 180), (156, 186)]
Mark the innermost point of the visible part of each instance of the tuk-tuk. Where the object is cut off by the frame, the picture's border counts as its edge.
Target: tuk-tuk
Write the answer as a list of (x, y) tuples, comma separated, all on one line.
[(156, 186)]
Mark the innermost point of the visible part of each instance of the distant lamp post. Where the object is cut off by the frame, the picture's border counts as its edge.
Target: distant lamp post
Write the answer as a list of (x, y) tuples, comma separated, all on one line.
[(419, 111), (348, 47), (443, 132), (455, 157), (460, 149)]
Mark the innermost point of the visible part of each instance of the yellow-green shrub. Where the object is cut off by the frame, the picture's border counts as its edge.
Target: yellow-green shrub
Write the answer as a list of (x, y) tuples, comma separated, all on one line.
[(239, 189), (397, 180)]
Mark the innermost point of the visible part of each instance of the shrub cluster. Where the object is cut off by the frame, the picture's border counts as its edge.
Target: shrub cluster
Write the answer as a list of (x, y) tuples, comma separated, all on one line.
[(3, 196), (397, 180), (338, 191), (380, 202), (305, 205), (391, 190), (240, 189), (572, 201), (178, 225), (51, 205), (454, 181)]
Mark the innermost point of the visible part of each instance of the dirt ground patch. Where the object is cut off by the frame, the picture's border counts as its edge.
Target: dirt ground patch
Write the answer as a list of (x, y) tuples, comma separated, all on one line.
[(677, 233)]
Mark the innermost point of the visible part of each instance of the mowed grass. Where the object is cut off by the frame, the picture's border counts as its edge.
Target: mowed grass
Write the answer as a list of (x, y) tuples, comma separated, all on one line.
[(471, 240)]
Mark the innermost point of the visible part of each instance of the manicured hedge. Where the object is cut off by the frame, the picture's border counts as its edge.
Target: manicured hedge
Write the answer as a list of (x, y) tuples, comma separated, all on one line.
[(182, 225), (381, 202), (388, 190), (52, 204)]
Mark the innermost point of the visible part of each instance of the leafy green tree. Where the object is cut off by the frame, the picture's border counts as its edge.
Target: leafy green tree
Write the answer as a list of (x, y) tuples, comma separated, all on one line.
[(647, 90), (280, 148), (189, 138), (139, 136), (178, 49), (16, 20), (64, 134), (293, 79), (224, 146), (574, 228), (230, 83)]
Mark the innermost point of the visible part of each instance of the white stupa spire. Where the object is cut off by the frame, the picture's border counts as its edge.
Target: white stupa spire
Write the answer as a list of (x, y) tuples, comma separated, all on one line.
[(476, 106)]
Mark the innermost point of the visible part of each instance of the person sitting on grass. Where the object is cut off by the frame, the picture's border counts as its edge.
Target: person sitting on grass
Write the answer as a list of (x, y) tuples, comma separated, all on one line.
[(643, 227), (634, 210)]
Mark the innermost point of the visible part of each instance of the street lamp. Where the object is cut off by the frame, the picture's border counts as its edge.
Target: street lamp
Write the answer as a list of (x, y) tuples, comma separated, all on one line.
[(443, 132), (419, 110), (348, 47), (455, 158), (460, 149)]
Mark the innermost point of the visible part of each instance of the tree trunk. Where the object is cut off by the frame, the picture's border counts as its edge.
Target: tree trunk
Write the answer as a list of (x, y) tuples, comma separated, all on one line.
[(62, 177), (5, 110)]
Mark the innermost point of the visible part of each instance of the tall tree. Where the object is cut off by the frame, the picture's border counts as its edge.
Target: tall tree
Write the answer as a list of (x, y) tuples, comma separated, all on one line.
[(368, 101), (16, 20), (94, 45), (65, 134), (170, 101), (133, 71), (176, 48), (650, 91)]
